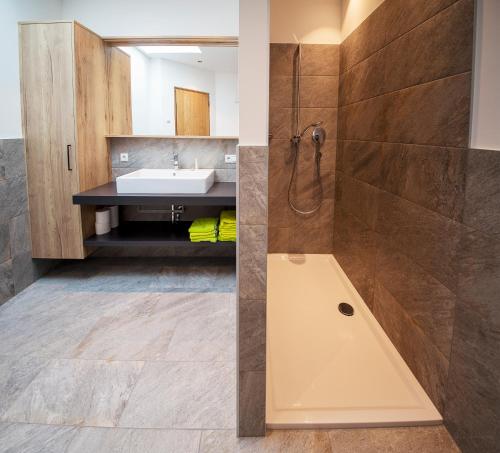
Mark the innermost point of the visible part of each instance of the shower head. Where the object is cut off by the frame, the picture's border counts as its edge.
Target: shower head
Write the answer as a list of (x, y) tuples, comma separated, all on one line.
[(318, 123)]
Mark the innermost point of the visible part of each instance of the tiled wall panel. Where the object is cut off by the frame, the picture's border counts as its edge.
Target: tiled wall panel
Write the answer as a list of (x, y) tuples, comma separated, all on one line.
[(288, 231), (252, 289), (17, 269), (159, 153), (416, 213)]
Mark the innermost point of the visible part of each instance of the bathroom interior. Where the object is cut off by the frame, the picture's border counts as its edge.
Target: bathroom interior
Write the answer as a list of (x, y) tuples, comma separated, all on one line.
[(250, 226)]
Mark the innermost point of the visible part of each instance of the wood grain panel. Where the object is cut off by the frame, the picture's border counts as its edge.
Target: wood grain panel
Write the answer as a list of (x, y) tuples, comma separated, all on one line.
[(91, 94), (46, 67), (119, 92), (91, 108), (192, 112)]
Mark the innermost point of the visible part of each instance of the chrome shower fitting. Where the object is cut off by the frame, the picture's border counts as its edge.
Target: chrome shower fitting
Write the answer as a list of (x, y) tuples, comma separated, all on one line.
[(298, 137), (318, 138)]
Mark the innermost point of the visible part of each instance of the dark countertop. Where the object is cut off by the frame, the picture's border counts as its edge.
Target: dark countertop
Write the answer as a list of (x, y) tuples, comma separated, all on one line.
[(220, 194)]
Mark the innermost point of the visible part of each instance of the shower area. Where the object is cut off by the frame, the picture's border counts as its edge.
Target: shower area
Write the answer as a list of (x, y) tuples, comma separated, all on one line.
[(376, 271), (330, 364)]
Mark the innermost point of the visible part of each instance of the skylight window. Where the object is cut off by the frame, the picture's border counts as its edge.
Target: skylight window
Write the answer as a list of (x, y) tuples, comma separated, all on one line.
[(151, 50)]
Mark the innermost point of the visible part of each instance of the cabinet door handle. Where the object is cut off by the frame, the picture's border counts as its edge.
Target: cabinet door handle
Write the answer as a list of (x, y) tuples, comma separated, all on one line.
[(68, 154)]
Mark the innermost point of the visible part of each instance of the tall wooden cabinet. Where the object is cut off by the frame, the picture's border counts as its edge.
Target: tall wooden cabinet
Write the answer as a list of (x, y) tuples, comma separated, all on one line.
[(64, 91)]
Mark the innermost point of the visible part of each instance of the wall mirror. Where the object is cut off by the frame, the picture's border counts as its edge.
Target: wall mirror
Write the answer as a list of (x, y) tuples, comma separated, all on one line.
[(183, 90)]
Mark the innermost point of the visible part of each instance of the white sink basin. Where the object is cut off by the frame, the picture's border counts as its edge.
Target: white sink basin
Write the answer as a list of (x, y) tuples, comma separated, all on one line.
[(165, 181)]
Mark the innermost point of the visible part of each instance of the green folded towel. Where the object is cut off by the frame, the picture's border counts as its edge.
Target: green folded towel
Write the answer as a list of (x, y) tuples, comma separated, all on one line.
[(202, 236), (204, 225), (213, 239), (225, 239), (204, 229), (227, 218), (227, 226)]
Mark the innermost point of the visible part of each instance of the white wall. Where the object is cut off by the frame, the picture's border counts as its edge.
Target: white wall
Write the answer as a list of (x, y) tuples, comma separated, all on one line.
[(226, 104), (312, 21), (139, 75), (485, 123), (354, 12), (12, 11), (253, 72), (156, 17)]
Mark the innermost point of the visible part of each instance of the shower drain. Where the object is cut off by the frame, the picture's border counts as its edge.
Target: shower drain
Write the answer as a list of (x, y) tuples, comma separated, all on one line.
[(346, 309)]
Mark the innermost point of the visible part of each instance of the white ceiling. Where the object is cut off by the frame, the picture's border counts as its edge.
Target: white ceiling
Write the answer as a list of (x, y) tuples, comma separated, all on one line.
[(217, 59)]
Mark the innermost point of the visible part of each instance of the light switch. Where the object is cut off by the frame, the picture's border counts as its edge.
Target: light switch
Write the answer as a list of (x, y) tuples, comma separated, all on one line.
[(123, 157)]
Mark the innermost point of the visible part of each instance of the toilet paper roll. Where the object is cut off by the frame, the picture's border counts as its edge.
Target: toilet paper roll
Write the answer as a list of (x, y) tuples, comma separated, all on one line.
[(115, 218), (103, 216), (102, 228)]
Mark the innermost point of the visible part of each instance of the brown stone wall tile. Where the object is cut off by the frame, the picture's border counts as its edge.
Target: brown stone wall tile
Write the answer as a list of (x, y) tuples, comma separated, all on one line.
[(252, 261), (281, 123), (478, 262), (354, 246), (365, 80), (252, 403), (320, 59), (319, 91), (282, 59), (429, 239), (252, 335), (401, 16), (312, 240), (280, 215), (472, 412), (280, 167), (435, 113), (427, 363), (364, 40), (430, 176), (278, 240), (253, 176), (281, 92), (482, 193), (427, 302), (438, 48), (364, 120), (358, 198), (389, 21)]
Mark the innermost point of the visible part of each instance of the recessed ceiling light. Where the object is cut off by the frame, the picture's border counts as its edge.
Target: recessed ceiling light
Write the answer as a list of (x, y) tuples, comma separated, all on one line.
[(169, 49)]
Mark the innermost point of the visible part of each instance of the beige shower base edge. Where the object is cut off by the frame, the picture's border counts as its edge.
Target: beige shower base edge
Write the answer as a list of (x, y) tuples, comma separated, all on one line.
[(325, 369)]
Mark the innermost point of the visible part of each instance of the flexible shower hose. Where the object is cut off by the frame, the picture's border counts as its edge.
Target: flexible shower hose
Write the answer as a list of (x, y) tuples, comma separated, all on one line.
[(317, 159)]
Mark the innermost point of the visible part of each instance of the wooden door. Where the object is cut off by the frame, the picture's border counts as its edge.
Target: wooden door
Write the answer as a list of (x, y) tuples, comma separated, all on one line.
[(47, 86), (192, 112)]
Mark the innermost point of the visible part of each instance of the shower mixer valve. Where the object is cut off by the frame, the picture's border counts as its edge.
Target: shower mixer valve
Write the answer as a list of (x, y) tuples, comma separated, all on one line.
[(318, 135)]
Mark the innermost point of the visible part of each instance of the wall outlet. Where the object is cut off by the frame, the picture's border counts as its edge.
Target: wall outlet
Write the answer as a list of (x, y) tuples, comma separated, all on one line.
[(123, 157), (230, 158)]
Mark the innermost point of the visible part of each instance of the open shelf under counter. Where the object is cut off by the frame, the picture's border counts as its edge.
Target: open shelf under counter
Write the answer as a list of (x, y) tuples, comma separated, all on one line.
[(151, 234), (220, 194)]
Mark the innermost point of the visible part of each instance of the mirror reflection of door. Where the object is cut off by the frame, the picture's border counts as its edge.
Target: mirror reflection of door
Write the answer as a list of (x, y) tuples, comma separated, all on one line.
[(192, 112)]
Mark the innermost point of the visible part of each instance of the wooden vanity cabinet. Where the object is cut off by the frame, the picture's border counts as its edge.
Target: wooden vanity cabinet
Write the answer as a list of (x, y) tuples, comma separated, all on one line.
[(64, 89)]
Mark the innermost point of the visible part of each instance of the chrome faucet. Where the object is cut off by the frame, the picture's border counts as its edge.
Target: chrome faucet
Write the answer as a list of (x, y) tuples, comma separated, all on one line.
[(176, 161)]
